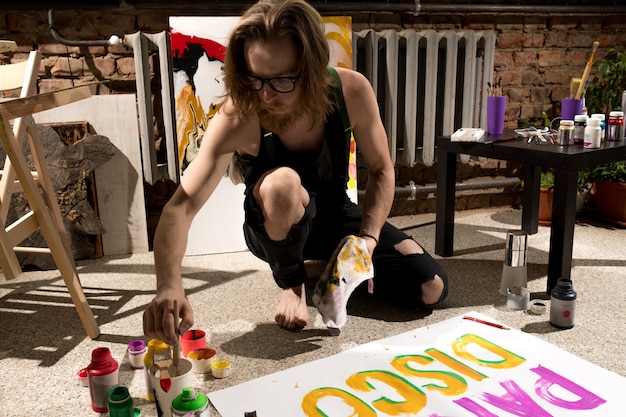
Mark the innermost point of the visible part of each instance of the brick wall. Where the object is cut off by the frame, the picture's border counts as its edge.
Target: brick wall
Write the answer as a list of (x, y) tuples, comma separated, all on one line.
[(536, 55)]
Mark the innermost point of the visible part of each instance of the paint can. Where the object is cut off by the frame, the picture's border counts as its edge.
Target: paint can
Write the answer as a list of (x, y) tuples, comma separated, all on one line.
[(580, 122), (192, 340), (148, 360), (220, 368), (593, 134), (615, 130), (136, 353), (83, 377), (517, 298), (120, 402), (602, 118), (103, 372), (514, 270), (190, 403), (165, 393), (566, 133), (563, 304)]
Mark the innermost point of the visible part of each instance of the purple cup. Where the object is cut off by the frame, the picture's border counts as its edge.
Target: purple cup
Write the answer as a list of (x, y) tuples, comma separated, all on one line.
[(496, 108), (570, 107)]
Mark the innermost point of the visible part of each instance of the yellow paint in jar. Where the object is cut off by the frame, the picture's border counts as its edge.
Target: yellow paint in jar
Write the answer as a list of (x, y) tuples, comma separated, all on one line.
[(220, 368)]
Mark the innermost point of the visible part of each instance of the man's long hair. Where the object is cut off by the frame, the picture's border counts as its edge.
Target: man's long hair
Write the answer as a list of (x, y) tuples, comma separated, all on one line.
[(272, 19)]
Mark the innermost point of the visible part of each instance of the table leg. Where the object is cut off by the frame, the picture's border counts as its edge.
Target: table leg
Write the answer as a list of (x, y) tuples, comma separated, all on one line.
[(562, 229), (445, 203), (530, 203)]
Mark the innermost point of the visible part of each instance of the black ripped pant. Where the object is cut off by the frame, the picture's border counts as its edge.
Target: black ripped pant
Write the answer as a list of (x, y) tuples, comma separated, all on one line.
[(397, 277)]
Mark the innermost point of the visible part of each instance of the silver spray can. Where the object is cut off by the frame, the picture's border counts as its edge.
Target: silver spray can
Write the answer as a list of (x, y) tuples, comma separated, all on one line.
[(563, 304), (514, 270)]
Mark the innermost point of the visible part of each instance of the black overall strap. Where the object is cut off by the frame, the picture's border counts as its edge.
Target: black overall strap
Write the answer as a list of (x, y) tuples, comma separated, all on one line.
[(340, 169), (341, 104), (347, 129)]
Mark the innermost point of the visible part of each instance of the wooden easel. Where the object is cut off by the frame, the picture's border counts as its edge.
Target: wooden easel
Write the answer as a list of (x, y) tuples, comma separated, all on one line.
[(36, 185)]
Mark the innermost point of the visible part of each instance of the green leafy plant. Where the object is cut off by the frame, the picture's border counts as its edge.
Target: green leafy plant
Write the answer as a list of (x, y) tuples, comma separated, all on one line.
[(613, 172), (605, 89), (585, 181), (547, 179), (583, 184)]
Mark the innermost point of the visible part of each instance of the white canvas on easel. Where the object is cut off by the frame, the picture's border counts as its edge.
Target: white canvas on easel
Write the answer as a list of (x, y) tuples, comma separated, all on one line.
[(217, 228)]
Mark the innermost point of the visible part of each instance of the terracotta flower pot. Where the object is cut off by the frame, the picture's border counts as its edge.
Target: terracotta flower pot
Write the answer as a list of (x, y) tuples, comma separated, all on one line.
[(545, 206), (610, 199)]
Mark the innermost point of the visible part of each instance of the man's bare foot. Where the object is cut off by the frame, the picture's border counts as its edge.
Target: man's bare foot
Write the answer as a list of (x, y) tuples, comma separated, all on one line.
[(291, 312)]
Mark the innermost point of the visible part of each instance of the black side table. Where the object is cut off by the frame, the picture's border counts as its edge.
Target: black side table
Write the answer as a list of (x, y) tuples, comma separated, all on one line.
[(565, 160)]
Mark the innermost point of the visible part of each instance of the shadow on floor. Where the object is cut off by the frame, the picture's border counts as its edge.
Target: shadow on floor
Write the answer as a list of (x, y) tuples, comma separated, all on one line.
[(39, 321)]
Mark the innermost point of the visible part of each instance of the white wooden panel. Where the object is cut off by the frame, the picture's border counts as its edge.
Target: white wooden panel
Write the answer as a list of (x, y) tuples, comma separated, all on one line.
[(119, 181), (218, 227)]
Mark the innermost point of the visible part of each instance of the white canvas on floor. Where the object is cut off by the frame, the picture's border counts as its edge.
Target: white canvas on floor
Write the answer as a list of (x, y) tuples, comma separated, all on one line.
[(456, 367)]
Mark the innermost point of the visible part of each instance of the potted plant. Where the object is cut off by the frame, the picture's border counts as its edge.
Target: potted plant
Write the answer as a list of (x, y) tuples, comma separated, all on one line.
[(605, 90), (546, 192), (604, 95), (546, 186), (583, 188), (609, 190)]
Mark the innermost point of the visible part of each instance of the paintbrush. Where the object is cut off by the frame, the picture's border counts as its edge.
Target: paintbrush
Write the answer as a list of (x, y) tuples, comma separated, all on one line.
[(583, 80), (574, 85), (163, 359), (177, 344)]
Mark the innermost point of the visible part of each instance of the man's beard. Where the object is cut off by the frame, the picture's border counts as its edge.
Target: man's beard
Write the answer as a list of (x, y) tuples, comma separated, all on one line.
[(278, 122)]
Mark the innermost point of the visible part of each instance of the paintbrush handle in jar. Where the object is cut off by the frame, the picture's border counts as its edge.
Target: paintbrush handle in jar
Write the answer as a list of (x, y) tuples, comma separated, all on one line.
[(176, 356)]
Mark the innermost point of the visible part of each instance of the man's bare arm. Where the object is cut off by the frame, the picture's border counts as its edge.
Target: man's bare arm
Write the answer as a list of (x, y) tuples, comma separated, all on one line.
[(170, 242), (371, 140)]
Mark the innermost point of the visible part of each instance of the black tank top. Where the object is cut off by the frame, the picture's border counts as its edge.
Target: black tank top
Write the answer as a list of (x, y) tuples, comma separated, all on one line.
[(323, 173)]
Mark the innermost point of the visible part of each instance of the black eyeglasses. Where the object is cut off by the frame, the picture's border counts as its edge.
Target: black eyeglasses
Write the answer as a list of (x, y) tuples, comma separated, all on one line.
[(278, 84)]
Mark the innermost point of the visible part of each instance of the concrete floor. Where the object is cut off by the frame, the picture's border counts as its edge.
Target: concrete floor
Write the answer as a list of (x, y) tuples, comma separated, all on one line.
[(43, 345)]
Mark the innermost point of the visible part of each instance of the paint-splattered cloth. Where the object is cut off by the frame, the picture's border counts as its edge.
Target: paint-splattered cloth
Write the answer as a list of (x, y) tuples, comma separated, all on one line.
[(350, 265)]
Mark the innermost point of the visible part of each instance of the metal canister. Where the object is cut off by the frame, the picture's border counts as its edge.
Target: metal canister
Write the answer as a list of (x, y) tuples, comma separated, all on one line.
[(190, 403), (615, 129), (514, 271), (580, 123), (566, 133)]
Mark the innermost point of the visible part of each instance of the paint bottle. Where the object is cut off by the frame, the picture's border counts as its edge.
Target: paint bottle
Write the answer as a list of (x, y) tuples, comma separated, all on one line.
[(120, 403), (563, 304), (103, 372), (592, 134), (615, 130), (190, 403), (602, 118), (514, 271), (148, 360), (566, 133), (136, 353), (580, 122)]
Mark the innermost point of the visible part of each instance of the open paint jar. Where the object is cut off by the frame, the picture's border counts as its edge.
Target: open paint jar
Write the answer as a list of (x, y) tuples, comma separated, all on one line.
[(220, 368), (201, 360)]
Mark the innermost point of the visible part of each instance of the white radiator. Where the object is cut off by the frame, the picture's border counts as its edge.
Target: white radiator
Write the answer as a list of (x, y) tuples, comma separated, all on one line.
[(428, 83)]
